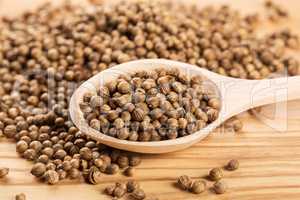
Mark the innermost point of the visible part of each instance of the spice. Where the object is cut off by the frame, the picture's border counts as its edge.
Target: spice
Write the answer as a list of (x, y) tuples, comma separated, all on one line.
[(120, 189), (93, 176), (112, 169), (123, 161), (232, 165), (110, 189), (220, 187), (184, 182), (134, 160), (86, 153), (132, 186), (3, 172), (51, 177), (138, 194), (121, 185), (74, 173), (149, 111), (129, 171), (275, 11), (234, 124), (198, 187), (20, 196), (119, 192), (21, 146), (42, 67), (215, 174), (38, 169)]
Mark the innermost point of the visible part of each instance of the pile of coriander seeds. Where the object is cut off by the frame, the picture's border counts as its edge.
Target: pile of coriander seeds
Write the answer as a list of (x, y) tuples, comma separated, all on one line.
[(151, 105), (46, 53)]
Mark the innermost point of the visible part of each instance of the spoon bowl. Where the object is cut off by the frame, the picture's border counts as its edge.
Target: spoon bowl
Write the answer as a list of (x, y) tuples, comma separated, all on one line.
[(237, 95)]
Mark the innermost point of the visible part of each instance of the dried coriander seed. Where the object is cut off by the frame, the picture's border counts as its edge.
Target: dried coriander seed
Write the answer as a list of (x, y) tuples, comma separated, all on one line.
[(232, 165), (138, 194), (51, 177), (138, 114), (22, 146), (119, 192), (121, 185), (184, 182), (20, 196), (124, 87), (198, 187), (215, 174), (112, 169), (110, 189), (38, 169), (220, 187), (30, 154), (86, 153), (94, 175), (74, 173), (123, 161), (4, 172), (134, 160), (129, 171), (132, 186), (99, 162)]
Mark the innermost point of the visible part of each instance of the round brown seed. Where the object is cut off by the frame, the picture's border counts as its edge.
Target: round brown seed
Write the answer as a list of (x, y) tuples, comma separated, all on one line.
[(4, 172), (215, 174), (184, 182), (232, 165), (220, 187), (132, 185), (38, 169), (129, 171), (138, 194), (20, 196), (198, 187), (51, 177)]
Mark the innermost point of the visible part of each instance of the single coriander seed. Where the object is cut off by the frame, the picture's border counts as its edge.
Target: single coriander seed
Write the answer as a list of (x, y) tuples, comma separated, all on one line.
[(220, 187), (129, 171), (51, 177), (38, 169), (198, 187), (20, 196), (3, 172), (232, 165), (138, 194), (215, 174), (184, 182), (132, 185), (110, 189)]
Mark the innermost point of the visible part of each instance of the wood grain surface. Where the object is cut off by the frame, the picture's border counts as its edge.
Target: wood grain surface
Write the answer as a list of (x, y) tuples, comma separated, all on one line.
[(269, 160)]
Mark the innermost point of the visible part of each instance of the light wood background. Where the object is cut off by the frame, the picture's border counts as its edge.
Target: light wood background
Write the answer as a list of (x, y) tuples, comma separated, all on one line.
[(269, 160)]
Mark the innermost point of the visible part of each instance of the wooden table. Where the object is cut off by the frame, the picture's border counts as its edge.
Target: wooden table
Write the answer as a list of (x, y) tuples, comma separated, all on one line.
[(269, 160)]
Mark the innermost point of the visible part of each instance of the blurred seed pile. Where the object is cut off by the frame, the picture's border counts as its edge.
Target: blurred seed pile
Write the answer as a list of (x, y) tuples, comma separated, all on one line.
[(46, 53)]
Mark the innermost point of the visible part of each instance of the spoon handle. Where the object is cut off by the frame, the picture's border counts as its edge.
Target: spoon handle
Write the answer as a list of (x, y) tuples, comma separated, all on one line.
[(241, 95)]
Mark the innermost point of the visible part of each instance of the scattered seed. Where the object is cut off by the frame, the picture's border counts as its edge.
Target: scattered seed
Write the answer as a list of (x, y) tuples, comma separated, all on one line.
[(3, 172), (138, 194), (198, 187), (232, 165), (220, 187), (20, 196), (184, 182)]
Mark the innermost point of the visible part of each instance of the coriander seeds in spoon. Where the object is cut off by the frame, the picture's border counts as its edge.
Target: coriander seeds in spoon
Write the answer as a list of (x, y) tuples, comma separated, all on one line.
[(159, 106)]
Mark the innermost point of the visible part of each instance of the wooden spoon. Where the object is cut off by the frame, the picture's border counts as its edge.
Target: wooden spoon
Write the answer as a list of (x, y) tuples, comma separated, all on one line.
[(237, 95)]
